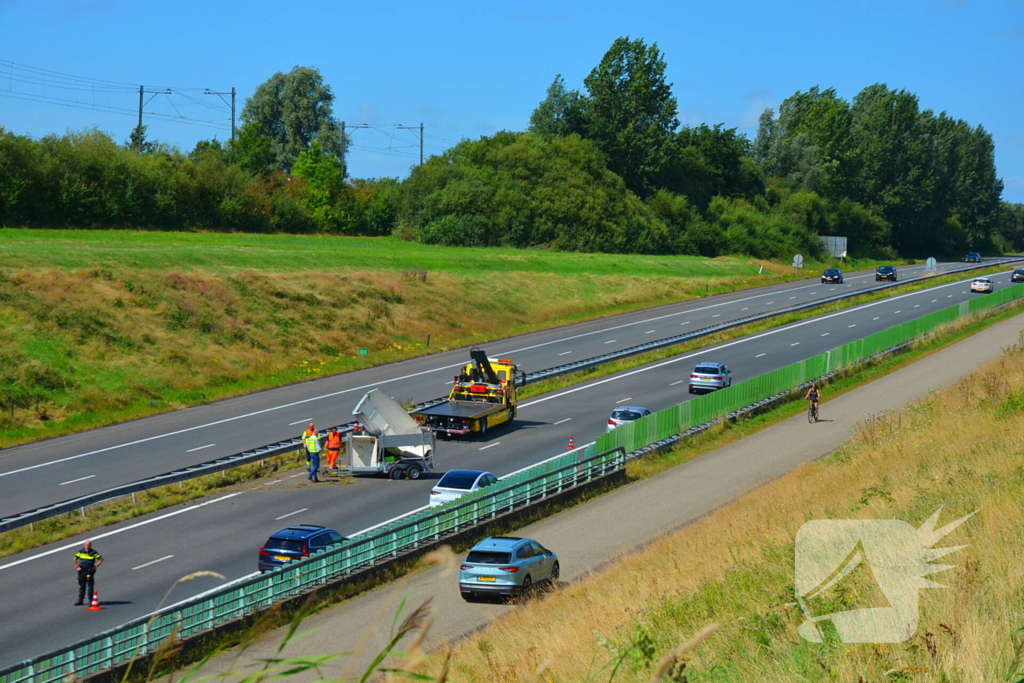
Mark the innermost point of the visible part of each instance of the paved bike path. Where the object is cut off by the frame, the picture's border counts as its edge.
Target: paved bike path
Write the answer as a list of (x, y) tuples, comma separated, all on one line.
[(600, 531)]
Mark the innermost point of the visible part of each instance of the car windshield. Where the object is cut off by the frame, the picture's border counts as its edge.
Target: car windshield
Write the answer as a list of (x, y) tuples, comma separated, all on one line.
[(831, 271), (458, 480), (706, 370), (625, 415), (488, 557), (885, 269), (285, 545)]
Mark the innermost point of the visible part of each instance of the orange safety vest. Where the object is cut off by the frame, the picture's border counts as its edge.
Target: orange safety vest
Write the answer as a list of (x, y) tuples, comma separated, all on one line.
[(333, 441)]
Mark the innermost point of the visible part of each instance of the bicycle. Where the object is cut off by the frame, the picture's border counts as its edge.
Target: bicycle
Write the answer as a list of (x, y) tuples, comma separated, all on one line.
[(812, 413)]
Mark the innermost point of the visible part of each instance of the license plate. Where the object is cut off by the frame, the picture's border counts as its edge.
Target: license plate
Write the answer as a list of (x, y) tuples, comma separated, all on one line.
[(282, 558), (485, 578)]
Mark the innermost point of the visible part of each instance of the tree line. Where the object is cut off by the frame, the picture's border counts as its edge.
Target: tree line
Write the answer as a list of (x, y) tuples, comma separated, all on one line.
[(606, 169)]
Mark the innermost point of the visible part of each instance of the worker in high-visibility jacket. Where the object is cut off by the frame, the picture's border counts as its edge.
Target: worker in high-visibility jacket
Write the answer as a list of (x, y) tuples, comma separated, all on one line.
[(333, 447), (312, 442)]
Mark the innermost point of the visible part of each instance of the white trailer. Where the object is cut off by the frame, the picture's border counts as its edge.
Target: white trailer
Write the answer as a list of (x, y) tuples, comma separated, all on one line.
[(392, 444)]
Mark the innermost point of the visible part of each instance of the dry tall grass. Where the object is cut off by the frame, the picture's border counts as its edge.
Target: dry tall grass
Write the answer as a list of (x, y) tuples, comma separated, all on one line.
[(961, 448)]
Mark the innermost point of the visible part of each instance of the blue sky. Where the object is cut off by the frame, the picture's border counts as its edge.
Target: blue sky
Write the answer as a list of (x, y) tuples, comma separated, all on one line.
[(467, 69)]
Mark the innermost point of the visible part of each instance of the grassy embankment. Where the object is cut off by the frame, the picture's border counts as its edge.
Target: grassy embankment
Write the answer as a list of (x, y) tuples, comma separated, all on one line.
[(100, 327), (960, 448)]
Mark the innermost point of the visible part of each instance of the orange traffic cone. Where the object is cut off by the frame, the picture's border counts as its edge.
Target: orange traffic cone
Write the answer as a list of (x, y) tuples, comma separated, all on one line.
[(571, 445), (95, 605)]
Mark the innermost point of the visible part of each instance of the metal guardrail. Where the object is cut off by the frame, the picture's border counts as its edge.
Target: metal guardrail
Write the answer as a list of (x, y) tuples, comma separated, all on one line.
[(245, 596), (280, 448)]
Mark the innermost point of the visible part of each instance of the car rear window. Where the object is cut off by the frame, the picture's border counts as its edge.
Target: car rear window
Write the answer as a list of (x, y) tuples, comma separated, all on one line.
[(706, 370), (625, 415), (458, 480), (285, 544), (488, 557)]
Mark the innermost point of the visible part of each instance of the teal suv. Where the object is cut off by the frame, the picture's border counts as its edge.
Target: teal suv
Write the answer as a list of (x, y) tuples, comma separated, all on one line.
[(506, 566)]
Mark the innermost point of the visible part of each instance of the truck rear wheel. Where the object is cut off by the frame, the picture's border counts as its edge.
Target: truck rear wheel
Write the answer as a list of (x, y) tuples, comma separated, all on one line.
[(397, 473), (414, 472)]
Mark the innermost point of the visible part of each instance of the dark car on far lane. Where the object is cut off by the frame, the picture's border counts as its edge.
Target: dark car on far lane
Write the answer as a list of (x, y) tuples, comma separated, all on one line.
[(973, 257), (832, 275), (295, 543), (885, 273), (1017, 275)]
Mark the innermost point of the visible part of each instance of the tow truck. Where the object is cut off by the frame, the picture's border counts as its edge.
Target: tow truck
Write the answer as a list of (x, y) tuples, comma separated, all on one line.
[(482, 396), (387, 441)]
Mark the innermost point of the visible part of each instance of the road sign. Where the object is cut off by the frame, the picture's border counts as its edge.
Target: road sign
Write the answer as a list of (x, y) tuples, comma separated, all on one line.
[(362, 352), (929, 265), (798, 261)]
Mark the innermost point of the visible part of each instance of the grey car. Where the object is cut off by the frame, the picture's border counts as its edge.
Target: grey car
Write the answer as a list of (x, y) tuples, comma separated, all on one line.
[(624, 414), (710, 377), (506, 566)]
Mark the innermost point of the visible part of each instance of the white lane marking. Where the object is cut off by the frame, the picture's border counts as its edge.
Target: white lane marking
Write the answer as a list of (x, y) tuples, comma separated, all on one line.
[(650, 331), (490, 445), (855, 324), (792, 297), (760, 354), (73, 481), (795, 344), (62, 548), (675, 383), (875, 318), (271, 483), (934, 300), (769, 303), (451, 382), (745, 340), (826, 334), (717, 315), (686, 323), (565, 353), (297, 512), (193, 450), (745, 309), (300, 474), (624, 400), (896, 312), (917, 305), (949, 296), (809, 294), (149, 564), (298, 422), (562, 421), (611, 341)]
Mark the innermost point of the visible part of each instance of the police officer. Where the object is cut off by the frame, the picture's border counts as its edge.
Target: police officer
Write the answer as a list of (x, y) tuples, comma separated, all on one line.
[(87, 561)]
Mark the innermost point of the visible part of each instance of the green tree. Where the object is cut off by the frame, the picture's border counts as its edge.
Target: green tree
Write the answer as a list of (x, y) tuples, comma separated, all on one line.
[(322, 173), (291, 111), (560, 113), (630, 114), (137, 141)]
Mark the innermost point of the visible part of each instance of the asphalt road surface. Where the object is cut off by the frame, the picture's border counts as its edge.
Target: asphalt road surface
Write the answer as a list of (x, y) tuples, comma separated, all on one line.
[(145, 556), (673, 499), (60, 469)]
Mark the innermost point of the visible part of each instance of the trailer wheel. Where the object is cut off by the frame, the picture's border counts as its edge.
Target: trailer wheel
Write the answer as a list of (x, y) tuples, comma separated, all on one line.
[(414, 471), (483, 426), (511, 415), (397, 473)]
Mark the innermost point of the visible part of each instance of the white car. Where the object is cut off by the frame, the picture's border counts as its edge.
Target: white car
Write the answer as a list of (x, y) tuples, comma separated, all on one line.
[(456, 483), (982, 284)]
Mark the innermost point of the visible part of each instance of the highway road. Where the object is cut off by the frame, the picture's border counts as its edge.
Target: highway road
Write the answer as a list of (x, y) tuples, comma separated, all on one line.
[(59, 469), (222, 534)]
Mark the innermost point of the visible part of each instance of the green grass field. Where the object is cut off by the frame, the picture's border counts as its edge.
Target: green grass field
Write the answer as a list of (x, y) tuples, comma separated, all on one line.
[(103, 326)]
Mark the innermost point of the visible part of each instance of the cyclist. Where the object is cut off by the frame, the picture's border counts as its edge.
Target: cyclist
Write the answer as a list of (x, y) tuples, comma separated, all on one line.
[(813, 395)]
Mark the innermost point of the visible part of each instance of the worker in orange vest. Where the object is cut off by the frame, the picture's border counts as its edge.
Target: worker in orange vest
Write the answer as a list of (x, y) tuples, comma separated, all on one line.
[(333, 447)]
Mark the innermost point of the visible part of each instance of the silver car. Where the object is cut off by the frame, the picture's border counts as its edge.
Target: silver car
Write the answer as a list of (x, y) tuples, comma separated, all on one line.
[(456, 483), (624, 414), (710, 377), (506, 566)]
